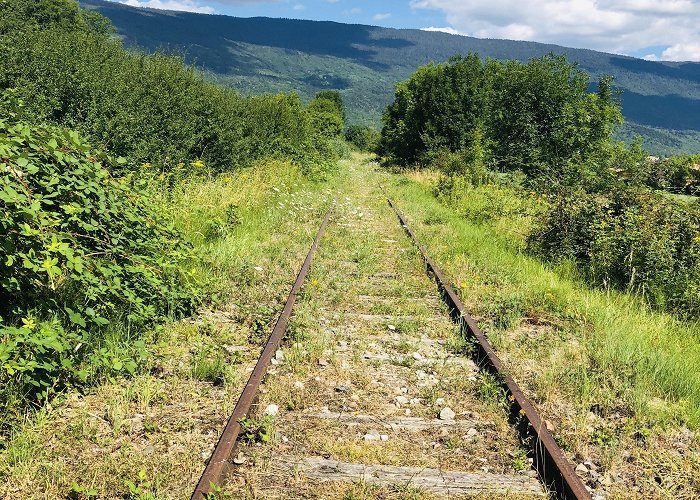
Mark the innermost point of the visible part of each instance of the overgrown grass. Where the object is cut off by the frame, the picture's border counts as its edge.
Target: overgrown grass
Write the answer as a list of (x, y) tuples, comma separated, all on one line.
[(632, 358), (195, 366)]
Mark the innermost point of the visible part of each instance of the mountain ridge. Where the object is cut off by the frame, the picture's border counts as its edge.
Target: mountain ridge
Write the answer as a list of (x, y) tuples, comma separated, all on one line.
[(660, 100)]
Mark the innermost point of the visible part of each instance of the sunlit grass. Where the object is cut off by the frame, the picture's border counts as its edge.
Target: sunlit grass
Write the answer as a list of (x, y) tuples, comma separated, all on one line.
[(632, 357)]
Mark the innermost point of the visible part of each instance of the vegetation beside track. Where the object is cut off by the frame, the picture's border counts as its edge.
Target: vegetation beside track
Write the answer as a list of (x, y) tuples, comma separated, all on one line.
[(213, 202), (618, 382), (536, 126), (148, 435), (97, 145)]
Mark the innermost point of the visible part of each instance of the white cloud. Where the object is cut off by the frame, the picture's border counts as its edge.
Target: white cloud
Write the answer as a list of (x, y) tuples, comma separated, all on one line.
[(298, 7), (182, 5), (446, 29), (620, 26), (682, 52), (381, 17)]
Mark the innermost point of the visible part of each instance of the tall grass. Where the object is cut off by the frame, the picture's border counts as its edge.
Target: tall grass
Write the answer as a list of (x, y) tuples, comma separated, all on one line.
[(646, 361)]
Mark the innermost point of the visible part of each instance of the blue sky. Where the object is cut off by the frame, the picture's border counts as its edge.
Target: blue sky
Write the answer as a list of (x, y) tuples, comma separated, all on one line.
[(653, 29), (393, 13)]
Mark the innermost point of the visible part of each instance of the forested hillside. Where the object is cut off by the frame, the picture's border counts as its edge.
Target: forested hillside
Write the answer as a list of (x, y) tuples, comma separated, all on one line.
[(660, 100)]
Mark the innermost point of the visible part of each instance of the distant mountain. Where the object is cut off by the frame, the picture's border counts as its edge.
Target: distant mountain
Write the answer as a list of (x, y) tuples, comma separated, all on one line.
[(661, 100)]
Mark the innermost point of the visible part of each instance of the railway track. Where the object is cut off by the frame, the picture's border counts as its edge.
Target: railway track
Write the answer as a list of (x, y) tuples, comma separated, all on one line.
[(372, 393)]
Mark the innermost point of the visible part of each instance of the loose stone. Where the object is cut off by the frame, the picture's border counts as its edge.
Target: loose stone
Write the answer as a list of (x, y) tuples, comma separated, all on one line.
[(447, 414)]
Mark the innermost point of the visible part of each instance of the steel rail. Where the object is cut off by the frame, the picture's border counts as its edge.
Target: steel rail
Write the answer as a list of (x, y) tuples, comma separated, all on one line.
[(555, 471), (219, 464)]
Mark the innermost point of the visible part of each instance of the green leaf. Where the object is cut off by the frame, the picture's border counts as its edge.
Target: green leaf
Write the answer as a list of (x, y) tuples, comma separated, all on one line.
[(76, 318)]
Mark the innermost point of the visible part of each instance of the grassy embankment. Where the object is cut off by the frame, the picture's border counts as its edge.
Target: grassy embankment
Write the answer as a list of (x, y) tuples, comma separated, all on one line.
[(619, 384), (150, 434)]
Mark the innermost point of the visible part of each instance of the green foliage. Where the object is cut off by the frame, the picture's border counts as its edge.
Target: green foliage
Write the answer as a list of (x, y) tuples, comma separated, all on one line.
[(149, 108), (45, 14), (678, 174), (467, 118), (541, 113), (78, 491), (509, 116), (362, 137), (257, 430), (335, 97), (81, 250), (142, 488), (308, 56), (437, 108), (327, 115), (631, 240)]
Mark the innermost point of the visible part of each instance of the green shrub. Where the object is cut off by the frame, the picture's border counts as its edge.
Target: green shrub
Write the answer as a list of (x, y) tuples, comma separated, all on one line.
[(326, 117), (678, 174), (362, 137), (630, 240), (81, 254), (521, 116), (148, 108)]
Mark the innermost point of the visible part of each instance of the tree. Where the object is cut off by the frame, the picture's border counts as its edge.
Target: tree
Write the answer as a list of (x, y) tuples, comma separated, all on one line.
[(326, 117), (335, 97), (530, 117)]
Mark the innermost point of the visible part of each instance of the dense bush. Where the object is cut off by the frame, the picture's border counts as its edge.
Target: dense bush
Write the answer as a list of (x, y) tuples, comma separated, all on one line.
[(362, 137), (326, 114), (678, 174), (437, 108), (628, 239), (470, 119), (531, 117), (149, 108), (81, 252)]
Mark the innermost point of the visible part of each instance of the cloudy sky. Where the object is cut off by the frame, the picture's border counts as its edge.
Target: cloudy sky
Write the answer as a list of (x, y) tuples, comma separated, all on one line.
[(653, 29)]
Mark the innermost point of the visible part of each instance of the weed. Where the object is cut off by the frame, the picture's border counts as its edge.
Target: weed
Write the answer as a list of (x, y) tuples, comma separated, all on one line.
[(80, 492), (434, 218), (142, 488), (489, 389), (520, 461), (461, 345), (260, 324), (210, 363), (150, 426), (257, 430), (216, 492)]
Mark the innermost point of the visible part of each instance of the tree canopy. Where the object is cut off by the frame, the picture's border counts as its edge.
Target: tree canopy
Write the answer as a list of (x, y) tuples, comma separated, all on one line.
[(523, 115)]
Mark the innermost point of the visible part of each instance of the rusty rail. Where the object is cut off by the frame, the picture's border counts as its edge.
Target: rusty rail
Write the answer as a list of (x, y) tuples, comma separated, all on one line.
[(219, 464), (550, 462)]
